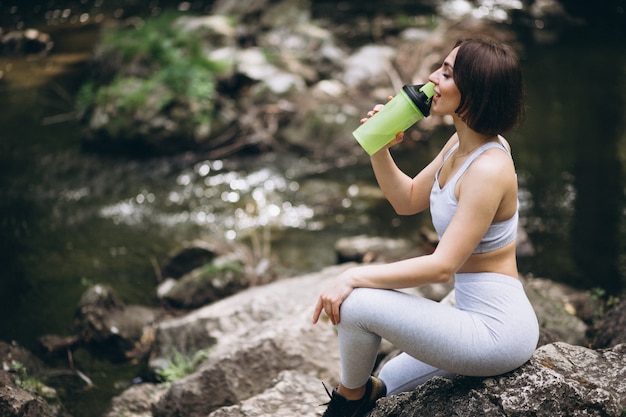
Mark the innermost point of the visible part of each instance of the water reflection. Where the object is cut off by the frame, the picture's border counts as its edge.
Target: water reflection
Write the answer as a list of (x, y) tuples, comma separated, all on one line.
[(571, 160), (599, 176), (225, 202)]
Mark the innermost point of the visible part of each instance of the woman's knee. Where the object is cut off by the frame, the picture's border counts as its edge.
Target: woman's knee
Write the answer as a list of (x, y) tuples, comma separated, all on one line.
[(360, 303)]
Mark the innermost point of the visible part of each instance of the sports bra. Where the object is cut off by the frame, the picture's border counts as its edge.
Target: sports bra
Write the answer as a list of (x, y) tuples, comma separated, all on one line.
[(443, 204)]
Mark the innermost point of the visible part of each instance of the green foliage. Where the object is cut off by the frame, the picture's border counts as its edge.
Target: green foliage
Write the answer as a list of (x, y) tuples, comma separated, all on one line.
[(156, 43), (605, 301), (181, 365), (24, 381), (158, 66)]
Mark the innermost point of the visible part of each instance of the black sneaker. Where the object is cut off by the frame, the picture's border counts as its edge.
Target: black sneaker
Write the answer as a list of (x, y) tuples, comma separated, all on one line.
[(339, 406)]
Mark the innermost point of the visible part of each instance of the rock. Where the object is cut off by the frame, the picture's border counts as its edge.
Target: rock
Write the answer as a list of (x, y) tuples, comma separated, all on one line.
[(17, 402), (253, 63), (95, 305), (240, 8), (104, 322), (204, 271), (190, 256), (576, 302), (222, 277), (136, 401), (263, 351), (291, 394), (611, 330), (258, 333), (217, 30), (368, 65), (130, 332), (23, 392), (556, 312), (365, 248), (25, 42), (559, 380), (12, 355)]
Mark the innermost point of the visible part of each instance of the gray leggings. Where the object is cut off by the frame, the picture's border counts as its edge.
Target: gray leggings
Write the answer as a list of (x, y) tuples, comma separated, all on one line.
[(492, 330)]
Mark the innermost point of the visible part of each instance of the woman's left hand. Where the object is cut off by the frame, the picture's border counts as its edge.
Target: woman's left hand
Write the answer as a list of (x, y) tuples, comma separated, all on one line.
[(331, 298)]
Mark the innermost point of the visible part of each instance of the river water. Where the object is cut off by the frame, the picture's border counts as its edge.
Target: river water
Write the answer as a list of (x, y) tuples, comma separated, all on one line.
[(70, 219)]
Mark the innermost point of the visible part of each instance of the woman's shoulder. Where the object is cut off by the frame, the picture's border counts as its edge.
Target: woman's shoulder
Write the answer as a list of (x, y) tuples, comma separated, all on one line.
[(505, 143), (493, 165)]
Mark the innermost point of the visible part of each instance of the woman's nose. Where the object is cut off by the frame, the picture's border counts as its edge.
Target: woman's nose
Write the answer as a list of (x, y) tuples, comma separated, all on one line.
[(434, 77)]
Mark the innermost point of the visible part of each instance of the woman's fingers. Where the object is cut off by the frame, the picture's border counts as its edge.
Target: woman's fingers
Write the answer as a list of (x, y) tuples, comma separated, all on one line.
[(372, 112), (330, 308), (318, 311), (334, 319), (399, 138)]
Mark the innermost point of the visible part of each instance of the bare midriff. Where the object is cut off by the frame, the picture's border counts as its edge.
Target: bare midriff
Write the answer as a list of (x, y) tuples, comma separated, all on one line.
[(500, 261)]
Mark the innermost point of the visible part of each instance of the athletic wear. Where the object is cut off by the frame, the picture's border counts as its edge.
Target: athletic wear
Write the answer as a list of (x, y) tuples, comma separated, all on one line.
[(443, 204), (493, 329)]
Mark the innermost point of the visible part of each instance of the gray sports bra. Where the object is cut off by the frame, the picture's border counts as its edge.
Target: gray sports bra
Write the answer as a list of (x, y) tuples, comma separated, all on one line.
[(443, 204)]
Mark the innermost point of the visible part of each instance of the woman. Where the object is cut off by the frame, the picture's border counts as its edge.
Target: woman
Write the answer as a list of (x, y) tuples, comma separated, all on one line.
[(471, 189)]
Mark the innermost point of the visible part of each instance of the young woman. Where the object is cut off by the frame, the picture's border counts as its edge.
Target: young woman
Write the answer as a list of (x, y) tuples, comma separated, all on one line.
[(471, 189)]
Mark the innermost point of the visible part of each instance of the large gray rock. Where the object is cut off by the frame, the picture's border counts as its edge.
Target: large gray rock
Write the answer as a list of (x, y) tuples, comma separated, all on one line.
[(258, 333), (559, 380), (263, 353), (136, 401), (557, 307), (292, 394)]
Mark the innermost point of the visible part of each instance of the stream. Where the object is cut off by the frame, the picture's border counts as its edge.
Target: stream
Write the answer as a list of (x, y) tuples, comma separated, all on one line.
[(70, 219)]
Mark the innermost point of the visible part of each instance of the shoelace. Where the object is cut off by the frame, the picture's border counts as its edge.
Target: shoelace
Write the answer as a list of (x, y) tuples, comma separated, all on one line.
[(330, 396)]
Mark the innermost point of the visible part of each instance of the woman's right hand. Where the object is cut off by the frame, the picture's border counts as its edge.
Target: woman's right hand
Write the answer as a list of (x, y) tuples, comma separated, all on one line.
[(372, 112), (375, 110), (399, 136)]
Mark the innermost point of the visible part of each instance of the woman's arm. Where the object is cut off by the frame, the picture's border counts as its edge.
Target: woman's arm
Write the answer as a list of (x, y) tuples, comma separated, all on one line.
[(407, 195), (481, 193)]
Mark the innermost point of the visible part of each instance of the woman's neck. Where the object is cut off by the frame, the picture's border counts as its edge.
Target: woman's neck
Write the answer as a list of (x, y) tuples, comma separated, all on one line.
[(469, 139)]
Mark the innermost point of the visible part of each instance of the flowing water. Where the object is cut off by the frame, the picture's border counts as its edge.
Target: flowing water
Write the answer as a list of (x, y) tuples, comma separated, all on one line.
[(70, 219)]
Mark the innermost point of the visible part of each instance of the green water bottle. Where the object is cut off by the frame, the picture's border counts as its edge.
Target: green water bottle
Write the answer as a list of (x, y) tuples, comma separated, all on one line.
[(410, 105)]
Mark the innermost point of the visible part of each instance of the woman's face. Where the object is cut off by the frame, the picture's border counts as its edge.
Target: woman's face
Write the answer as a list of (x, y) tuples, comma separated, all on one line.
[(447, 96)]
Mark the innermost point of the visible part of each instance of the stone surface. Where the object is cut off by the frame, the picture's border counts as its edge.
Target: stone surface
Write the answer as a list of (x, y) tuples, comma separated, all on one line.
[(17, 402), (258, 333), (559, 380)]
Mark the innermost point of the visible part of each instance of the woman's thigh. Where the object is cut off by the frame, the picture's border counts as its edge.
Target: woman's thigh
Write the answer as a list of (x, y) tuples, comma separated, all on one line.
[(425, 329), (442, 336)]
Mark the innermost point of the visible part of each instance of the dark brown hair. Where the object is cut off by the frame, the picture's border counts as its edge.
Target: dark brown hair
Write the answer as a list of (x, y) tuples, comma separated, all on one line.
[(489, 77)]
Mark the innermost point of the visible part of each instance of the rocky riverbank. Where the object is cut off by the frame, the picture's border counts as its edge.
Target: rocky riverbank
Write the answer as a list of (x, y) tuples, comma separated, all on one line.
[(260, 356), (243, 337)]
